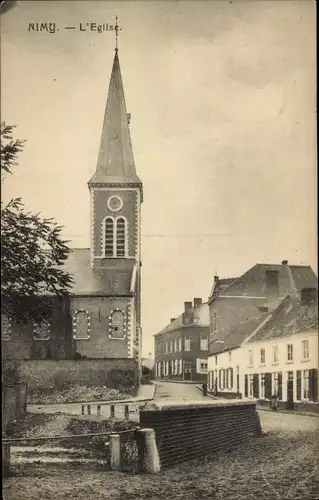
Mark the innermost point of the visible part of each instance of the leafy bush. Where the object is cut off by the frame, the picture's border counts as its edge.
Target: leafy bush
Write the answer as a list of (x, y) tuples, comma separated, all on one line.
[(121, 379)]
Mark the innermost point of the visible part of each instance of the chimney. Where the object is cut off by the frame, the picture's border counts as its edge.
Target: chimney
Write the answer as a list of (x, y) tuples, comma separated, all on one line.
[(284, 262), (173, 319), (188, 316), (128, 118), (187, 306), (216, 279), (197, 302)]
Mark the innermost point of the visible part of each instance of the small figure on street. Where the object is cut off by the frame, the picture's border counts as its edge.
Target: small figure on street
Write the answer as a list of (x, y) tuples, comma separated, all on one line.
[(204, 387), (274, 402)]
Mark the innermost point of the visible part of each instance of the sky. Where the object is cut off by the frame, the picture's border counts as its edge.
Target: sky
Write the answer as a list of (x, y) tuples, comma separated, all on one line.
[(222, 96)]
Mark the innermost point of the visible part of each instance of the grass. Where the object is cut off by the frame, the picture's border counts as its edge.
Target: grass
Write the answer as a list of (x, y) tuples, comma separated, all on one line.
[(75, 394), (284, 465)]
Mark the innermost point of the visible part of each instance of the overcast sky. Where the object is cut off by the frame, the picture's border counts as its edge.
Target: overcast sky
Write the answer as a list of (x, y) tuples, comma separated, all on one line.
[(223, 103)]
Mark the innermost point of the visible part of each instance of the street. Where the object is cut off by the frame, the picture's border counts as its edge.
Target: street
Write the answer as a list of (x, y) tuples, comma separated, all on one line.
[(173, 391)]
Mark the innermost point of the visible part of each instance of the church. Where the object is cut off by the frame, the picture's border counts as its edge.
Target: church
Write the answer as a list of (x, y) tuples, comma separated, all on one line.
[(102, 317)]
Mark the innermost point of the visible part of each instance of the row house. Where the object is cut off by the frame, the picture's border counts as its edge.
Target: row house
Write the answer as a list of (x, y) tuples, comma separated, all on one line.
[(181, 348), (275, 351)]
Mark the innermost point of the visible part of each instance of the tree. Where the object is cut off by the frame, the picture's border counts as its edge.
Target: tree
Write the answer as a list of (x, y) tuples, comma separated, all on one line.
[(32, 251)]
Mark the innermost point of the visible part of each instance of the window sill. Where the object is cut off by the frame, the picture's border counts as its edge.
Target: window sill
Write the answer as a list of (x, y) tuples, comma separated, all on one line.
[(305, 360), (116, 338), (6, 338), (290, 362), (250, 366), (275, 364), (40, 340), (262, 364), (81, 338)]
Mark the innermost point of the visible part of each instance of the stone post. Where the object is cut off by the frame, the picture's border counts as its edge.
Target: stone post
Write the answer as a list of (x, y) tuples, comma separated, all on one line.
[(5, 459), (147, 450), (126, 412), (115, 452), (112, 410), (258, 427)]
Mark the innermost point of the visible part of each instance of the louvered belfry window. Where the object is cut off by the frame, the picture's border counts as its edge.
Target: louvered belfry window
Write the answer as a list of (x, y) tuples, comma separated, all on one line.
[(109, 237), (114, 237), (120, 237)]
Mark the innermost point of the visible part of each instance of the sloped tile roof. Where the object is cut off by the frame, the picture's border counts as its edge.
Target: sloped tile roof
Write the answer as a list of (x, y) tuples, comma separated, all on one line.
[(252, 282), (114, 280), (235, 337), (289, 318), (201, 318)]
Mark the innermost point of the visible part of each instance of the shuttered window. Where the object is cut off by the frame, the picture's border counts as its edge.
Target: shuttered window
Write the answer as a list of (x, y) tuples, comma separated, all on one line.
[(262, 386), (246, 386), (280, 386), (313, 396), (268, 385), (306, 384), (256, 385), (298, 395)]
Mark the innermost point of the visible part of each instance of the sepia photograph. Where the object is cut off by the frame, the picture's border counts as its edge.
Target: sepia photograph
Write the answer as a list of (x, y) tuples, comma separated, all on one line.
[(159, 276)]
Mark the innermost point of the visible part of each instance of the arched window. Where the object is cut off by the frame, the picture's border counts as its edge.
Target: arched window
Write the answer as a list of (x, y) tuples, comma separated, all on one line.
[(108, 236), (5, 327), (81, 325), (41, 331), (117, 324), (120, 237), (114, 237)]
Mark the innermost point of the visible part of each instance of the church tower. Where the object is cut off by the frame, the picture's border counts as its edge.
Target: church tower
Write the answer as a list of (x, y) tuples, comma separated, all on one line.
[(116, 195)]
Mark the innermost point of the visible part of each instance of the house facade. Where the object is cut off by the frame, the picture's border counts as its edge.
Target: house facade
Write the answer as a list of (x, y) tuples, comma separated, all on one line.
[(104, 310), (181, 348), (273, 353), (258, 290)]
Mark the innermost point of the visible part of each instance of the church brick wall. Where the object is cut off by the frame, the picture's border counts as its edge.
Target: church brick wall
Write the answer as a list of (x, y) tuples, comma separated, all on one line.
[(21, 344), (99, 309)]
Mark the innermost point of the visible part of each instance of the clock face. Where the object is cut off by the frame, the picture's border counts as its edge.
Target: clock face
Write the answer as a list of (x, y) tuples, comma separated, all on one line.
[(114, 203)]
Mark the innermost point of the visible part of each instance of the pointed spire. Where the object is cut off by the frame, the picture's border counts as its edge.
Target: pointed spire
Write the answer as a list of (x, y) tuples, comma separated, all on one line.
[(116, 34), (115, 160)]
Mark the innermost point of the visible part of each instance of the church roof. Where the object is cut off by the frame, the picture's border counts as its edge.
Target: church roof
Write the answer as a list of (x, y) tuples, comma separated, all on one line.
[(110, 281), (115, 160)]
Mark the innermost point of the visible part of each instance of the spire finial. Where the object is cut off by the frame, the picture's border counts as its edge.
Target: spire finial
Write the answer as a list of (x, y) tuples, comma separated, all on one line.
[(116, 34)]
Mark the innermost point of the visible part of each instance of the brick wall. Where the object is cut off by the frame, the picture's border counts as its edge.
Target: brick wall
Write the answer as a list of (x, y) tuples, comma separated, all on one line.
[(194, 333), (230, 312), (21, 344), (14, 400), (99, 345), (187, 431), (44, 374)]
